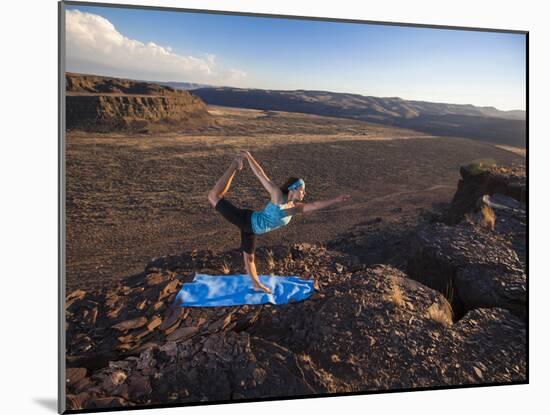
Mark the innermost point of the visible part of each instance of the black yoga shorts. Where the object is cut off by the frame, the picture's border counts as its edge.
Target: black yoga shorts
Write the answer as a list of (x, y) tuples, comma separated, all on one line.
[(241, 218)]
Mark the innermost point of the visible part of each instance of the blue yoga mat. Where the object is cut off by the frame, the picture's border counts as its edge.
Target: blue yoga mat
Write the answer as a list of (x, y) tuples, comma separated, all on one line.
[(226, 290)]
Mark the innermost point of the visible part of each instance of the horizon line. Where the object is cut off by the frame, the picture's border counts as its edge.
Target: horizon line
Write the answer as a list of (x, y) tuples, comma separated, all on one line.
[(309, 90)]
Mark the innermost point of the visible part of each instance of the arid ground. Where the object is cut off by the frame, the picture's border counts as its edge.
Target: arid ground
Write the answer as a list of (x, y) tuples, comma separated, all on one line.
[(134, 197)]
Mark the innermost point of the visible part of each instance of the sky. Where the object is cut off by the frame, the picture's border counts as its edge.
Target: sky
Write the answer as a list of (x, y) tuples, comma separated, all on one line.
[(425, 64)]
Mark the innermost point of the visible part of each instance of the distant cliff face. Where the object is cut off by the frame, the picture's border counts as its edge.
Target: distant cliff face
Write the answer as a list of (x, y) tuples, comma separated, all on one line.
[(103, 104), (105, 113)]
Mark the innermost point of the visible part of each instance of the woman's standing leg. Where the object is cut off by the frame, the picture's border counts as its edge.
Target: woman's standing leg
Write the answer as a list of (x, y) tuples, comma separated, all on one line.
[(250, 266), (222, 185)]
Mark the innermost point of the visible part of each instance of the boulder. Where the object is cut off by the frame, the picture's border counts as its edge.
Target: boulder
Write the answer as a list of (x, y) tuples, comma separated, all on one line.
[(475, 267), (481, 178)]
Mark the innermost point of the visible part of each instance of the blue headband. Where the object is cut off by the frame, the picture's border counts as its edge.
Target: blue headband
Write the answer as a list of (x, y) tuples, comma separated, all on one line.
[(297, 184)]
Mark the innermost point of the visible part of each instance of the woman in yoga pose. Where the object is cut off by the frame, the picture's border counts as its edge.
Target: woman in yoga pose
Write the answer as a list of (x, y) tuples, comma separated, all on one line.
[(285, 202)]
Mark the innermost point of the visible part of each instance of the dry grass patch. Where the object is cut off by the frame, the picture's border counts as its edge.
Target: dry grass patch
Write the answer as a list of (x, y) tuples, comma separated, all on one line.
[(440, 313), (396, 295), (225, 268), (270, 259), (488, 218)]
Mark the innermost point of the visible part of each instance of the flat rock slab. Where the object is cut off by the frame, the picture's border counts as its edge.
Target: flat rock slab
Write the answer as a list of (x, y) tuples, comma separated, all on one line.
[(131, 324)]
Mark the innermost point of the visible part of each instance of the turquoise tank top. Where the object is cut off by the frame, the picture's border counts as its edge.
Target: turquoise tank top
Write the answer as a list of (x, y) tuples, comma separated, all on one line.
[(270, 218)]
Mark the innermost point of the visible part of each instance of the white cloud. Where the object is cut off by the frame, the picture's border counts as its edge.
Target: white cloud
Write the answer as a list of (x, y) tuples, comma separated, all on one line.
[(235, 76), (94, 45)]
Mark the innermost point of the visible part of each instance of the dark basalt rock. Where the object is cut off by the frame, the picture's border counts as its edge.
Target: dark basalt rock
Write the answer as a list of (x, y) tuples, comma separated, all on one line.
[(476, 267), (511, 221), (371, 329), (478, 180)]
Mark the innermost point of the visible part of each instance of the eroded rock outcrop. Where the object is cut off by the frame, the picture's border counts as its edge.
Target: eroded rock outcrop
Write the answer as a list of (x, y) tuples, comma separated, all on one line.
[(102, 104), (477, 254), (481, 178)]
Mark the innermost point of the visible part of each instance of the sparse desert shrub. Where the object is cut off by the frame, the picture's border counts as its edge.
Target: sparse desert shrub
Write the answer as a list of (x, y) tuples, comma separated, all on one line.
[(118, 377), (440, 313), (488, 218), (270, 259), (396, 295)]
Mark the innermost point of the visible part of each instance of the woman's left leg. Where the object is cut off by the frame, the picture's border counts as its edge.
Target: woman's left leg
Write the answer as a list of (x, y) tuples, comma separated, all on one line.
[(222, 185)]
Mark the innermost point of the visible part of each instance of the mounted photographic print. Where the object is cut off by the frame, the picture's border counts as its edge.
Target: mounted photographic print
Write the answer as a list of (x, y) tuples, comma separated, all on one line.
[(257, 207)]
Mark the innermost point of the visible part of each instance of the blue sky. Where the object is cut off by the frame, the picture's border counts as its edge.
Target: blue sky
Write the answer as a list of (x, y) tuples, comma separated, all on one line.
[(438, 65)]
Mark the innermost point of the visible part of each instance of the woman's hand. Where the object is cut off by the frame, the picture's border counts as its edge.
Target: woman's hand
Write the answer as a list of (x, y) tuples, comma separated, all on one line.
[(238, 160), (342, 198)]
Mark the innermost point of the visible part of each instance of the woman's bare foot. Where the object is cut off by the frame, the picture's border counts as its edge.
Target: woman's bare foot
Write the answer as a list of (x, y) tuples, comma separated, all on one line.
[(261, 287)]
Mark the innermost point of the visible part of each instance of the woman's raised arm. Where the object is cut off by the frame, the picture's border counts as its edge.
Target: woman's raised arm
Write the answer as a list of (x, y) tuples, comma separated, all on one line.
[(271, 187)]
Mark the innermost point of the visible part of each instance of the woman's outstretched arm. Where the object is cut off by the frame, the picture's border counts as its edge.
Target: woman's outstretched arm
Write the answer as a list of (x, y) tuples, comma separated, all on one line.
[(301, 208), (271, 187)]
